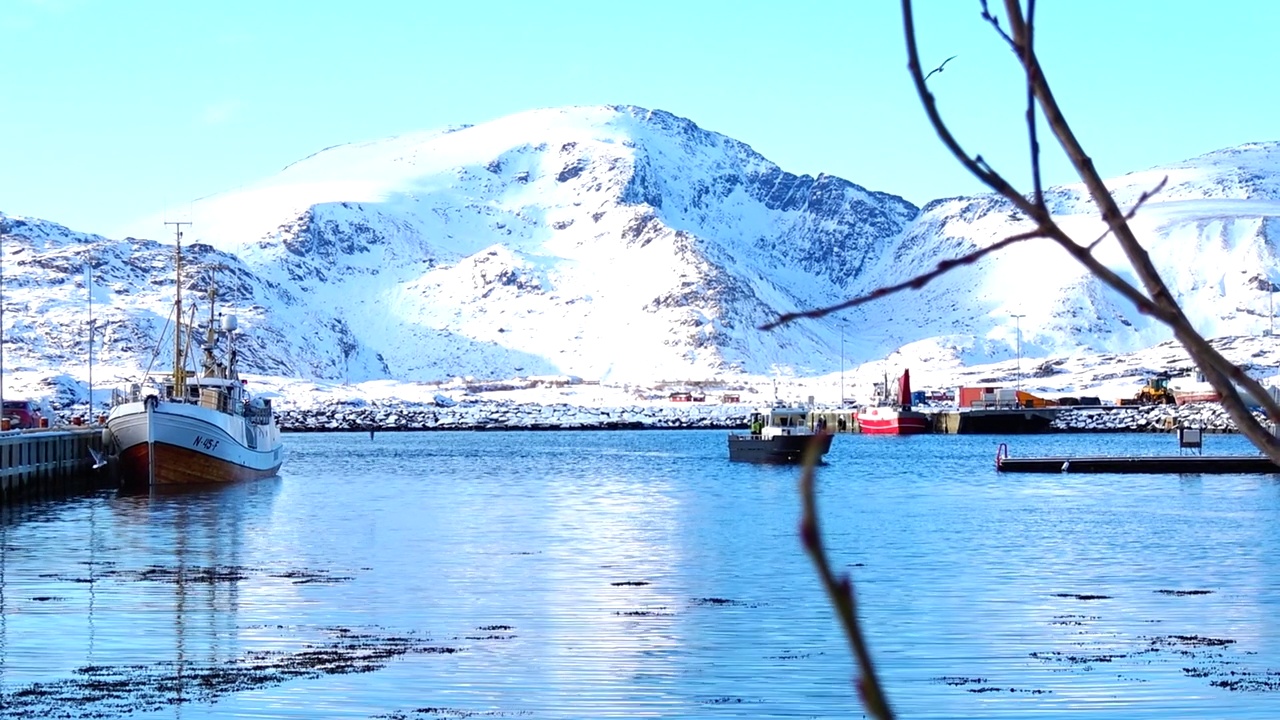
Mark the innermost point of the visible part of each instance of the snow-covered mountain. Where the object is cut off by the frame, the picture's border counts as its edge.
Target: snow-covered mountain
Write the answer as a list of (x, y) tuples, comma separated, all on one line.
[(619, 243), (1213, 233), (604, 242)]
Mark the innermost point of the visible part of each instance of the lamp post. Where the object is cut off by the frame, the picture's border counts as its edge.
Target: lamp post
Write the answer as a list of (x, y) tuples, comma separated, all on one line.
[(1017, 324)]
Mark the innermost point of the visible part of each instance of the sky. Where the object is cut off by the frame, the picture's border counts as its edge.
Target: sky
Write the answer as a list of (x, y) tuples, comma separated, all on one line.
[(113, 111)]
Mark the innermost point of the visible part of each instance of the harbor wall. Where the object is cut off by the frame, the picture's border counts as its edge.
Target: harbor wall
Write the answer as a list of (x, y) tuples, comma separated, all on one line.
[(35, 463)]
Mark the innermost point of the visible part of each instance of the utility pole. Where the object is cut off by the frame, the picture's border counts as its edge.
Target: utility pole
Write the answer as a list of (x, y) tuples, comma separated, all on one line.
[(1017, 324)]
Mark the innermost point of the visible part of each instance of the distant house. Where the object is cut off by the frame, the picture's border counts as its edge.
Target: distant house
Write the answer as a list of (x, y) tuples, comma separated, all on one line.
[(681, 397), (730, 398)]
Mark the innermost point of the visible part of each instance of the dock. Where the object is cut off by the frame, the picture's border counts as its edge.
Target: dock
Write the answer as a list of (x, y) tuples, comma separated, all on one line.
[(46, 461), (995, 421), (1175, 464)]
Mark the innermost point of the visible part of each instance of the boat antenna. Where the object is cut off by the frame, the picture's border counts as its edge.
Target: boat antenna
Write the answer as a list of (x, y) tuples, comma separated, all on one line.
[(179, 374)]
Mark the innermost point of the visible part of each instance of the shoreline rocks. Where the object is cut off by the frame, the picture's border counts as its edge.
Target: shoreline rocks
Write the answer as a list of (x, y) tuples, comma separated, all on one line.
[(505, 415), (1211, 417)]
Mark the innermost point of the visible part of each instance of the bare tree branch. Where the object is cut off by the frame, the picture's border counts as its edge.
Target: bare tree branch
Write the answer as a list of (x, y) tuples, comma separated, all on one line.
[(1158, 301), (1216, 368), (839, 589), (1161, 304), (1037, 186), (915, 283)]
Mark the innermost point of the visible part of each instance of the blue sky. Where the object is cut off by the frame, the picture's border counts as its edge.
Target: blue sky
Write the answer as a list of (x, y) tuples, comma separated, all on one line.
[(114, 110)]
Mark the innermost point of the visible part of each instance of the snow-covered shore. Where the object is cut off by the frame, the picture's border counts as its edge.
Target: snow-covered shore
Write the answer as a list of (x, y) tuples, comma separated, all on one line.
[(342, 416), (1151, 418), (507, 415)]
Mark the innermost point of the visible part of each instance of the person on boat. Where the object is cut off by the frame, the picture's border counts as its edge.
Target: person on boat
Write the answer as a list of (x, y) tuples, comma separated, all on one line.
[(756, 425)]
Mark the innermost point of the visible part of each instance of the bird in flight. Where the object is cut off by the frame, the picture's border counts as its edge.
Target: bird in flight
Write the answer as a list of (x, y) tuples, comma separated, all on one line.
[(939, 68)]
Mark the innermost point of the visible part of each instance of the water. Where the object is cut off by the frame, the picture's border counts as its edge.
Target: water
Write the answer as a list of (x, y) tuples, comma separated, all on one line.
[(629, 574)]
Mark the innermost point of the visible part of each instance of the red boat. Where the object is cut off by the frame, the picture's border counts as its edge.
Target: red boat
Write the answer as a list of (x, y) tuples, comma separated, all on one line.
[(1187, 390), (893, 418)]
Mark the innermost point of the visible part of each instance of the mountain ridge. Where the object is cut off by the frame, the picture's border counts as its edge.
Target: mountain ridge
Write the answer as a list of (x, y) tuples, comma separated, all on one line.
[(619, 243)]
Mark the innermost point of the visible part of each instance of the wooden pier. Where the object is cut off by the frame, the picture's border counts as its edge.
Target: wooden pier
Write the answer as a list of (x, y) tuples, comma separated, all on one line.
[(39, 462)]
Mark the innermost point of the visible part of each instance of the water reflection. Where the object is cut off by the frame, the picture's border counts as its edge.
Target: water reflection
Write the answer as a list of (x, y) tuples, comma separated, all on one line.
[(610, 574)]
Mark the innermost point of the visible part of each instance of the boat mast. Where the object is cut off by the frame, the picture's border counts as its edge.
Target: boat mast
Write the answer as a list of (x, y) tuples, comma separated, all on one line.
[(179, 374), (209, 337)]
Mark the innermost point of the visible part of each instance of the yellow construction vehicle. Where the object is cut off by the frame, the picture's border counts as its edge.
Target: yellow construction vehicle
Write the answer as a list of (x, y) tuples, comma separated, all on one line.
[(1155, 392)]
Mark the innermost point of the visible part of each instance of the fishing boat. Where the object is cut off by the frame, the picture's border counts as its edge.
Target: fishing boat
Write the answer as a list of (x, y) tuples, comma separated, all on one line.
[(1187, 389), (892, 414), (191, 427), (778, 435)]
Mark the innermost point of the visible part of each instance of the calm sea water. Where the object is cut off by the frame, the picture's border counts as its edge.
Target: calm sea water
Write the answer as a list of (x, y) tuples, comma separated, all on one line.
[(640, 574)]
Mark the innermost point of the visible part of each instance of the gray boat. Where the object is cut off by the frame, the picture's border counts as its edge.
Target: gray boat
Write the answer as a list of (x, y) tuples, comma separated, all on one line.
[(779, 435)]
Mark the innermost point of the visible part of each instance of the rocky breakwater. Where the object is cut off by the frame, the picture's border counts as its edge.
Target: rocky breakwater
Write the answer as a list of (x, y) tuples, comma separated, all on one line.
[(445, 414), (1148, 418)]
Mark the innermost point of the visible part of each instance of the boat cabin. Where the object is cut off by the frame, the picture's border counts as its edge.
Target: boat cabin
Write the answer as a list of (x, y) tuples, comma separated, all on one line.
[(227, 395), (773, 422)]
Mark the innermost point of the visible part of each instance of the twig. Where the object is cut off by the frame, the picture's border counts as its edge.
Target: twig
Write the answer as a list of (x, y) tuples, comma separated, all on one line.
[(915, 283), (1133, 211), (839, 589), (995, 23)]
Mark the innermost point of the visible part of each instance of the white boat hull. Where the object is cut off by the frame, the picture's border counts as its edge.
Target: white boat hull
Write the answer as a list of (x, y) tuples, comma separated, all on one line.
[(172, 443)]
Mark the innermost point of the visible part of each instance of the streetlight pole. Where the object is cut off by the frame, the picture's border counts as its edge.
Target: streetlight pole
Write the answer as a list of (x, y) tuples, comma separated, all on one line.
[(1017, 324)]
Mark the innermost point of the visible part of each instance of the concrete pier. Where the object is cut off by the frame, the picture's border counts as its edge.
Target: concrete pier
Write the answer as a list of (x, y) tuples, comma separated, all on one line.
[(1003, 421), (38, 462)]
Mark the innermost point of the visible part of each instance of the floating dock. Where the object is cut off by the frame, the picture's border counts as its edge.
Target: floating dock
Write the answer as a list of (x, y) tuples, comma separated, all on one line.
[(1162, 464)]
